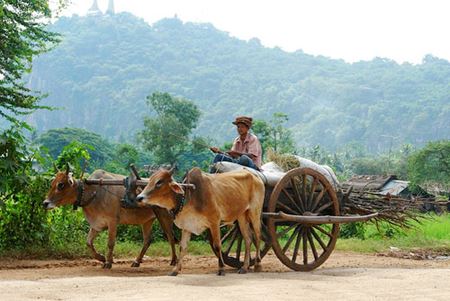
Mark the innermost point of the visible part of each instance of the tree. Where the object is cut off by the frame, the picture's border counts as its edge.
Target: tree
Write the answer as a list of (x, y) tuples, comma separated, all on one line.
[(430, 166), (55, 140), (23, 36), (166, 135), (124, 155), (274, 134), (15, 164)]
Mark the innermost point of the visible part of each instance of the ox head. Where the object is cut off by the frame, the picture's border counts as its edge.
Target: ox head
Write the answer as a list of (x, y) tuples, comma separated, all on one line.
[(63, 190), (161, 190)]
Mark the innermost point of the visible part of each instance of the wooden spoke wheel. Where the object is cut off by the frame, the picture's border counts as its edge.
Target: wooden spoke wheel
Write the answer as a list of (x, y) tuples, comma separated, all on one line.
[(303, 247), (233, 245)]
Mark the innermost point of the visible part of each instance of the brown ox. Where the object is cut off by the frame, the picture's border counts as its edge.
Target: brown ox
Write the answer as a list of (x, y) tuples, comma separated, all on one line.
[(216, 198), (102, 209)]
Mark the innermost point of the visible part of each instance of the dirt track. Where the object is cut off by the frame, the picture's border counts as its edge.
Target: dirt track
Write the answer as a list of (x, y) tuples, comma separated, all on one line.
[(345, 276)]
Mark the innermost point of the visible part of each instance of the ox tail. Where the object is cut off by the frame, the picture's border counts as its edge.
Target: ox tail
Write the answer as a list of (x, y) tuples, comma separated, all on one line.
[(256, 205)]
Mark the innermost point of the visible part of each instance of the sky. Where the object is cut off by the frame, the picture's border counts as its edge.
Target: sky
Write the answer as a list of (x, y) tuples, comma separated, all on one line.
[(352, 30)]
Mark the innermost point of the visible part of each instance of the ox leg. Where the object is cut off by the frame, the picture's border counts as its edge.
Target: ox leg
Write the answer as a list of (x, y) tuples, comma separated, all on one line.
[(90, 244), (243, 226), (166, 222), (217, 245), (147, 235), (112, 232), (185, 238), (255, 220)]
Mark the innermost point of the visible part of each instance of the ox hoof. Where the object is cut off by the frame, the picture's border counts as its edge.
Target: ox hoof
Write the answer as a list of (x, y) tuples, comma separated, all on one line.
[(173, 262), (242, 271), (221, 273), (107, 265), (258, 268), (135, 264), (173, 273)]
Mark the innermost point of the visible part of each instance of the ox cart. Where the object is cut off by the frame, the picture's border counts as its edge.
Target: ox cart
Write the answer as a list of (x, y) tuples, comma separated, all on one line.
[(300, 221)]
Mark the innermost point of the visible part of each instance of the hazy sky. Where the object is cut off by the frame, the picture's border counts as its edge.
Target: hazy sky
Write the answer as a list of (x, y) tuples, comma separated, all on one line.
[(353, 30)]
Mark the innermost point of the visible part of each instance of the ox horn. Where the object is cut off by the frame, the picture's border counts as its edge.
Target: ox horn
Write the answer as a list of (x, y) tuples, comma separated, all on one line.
[(67, 168), (172, 169), (83, 169)]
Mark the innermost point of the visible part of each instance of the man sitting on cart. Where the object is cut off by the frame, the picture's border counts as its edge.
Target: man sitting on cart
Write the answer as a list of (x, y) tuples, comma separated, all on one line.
[(246, 149)]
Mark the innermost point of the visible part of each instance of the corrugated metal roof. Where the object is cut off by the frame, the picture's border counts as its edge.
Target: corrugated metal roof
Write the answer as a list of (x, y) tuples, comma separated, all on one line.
[(394, 187), (369, 182)]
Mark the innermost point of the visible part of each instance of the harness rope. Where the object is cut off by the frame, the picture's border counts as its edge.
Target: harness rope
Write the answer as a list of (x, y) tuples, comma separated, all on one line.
[(182, 199), (80, 196)]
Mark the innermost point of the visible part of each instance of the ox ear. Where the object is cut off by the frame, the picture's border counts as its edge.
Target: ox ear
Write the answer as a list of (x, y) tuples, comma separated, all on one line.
[(70, 179), (176, 188)]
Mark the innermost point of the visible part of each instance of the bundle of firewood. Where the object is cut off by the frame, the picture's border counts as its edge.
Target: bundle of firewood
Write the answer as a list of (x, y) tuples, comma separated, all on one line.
[(396, 211)]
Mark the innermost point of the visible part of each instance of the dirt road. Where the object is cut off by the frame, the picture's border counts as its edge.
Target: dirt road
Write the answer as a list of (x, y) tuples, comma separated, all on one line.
[(345, 276)]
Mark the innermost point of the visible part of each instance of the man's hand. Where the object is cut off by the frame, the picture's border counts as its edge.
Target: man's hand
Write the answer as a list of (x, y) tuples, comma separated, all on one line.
[(233, 154), (215, 149)]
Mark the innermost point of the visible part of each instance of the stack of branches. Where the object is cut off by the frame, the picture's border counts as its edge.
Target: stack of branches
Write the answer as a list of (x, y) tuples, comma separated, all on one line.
[(394, 210)]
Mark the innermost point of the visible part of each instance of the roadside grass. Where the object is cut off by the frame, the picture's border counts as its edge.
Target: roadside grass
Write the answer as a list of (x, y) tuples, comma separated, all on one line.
[(432, 233), (159, 249)]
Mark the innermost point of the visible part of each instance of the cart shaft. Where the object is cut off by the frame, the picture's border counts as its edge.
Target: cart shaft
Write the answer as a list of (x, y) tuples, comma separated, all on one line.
[(322, 219)]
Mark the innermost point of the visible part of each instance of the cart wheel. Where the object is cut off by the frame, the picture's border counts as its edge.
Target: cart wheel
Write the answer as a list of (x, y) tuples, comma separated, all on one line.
[(303, 247), (233, 245)]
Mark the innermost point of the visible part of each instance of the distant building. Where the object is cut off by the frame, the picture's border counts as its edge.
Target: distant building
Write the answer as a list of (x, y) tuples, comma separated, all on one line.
[(385, 185), (94, 10), (110, 10)]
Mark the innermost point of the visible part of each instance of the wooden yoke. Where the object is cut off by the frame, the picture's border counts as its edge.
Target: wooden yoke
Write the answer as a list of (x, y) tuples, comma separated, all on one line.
[(134, 180)]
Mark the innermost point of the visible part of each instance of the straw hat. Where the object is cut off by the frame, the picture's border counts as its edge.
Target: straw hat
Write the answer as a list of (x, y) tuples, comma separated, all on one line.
[(245, 120)]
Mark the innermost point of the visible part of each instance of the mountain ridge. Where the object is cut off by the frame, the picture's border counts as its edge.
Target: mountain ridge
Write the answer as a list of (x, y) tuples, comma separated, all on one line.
[(106, 66)]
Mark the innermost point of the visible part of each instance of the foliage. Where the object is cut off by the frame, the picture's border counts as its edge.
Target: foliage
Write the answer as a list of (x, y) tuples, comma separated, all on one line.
[(274, 134), (74, 155), (350, 230), (22, 218), (16, 161), (67, 232), (23, 35), (430, 166), (354, 159), (100, 150), (167, 134), (124, 155), (102, 82), (197, 154)]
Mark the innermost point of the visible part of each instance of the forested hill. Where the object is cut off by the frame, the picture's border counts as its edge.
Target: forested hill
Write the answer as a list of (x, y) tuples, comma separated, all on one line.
[(106, 66)]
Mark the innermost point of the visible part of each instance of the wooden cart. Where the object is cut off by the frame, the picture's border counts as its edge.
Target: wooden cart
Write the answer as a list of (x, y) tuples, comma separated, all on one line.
[(301, 217)]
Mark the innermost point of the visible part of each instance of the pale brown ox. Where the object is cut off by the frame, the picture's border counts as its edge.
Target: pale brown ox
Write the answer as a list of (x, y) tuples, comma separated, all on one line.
[(216, 198), (102, 208)]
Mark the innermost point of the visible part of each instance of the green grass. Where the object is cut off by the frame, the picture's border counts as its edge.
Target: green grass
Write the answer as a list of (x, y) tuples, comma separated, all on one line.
[(159, 248), (432, 234)]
